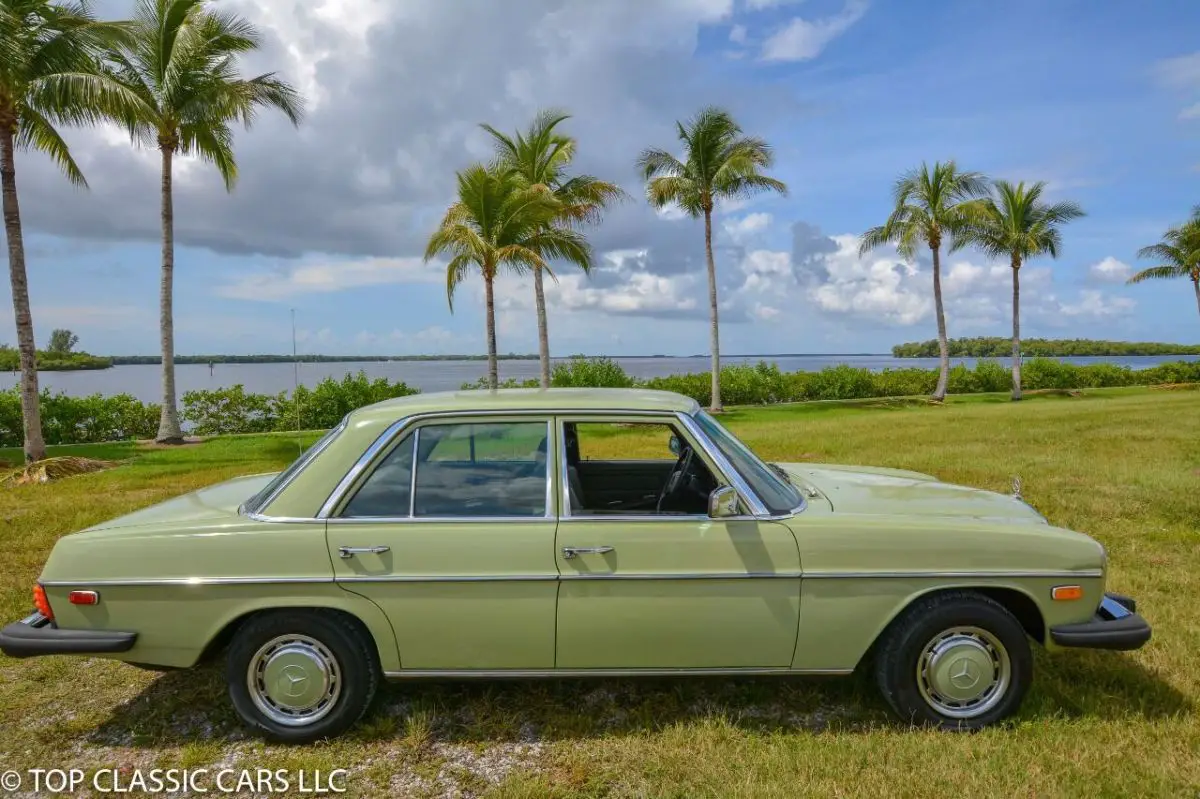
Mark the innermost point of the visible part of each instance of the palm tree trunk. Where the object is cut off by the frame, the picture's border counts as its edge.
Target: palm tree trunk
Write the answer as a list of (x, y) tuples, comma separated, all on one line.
[(168, 423), (939, 393), (715, 401), (493, 372), (1016, 338), (1196, 286), (35, 445), (539, 296)]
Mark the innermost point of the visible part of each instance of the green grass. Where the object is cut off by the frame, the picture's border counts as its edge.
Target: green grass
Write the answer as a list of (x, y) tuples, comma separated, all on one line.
[(1122, 466)]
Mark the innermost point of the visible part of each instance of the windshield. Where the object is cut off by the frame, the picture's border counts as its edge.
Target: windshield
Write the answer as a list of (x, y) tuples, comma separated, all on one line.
[(255, 503), (775, 492)]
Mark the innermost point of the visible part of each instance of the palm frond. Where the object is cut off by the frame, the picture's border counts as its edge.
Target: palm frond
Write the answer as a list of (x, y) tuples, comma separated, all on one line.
[(1162, 272), (37, 133)]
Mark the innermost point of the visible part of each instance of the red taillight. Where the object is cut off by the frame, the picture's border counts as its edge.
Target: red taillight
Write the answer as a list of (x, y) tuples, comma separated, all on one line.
[(41, 603), (83, 598)]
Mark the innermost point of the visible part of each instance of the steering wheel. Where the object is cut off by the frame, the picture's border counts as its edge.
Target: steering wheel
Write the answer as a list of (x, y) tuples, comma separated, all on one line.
[(676, 480)]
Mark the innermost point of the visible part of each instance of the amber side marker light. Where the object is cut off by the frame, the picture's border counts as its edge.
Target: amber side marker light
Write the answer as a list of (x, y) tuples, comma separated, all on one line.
[(1062, 593), (41, 603)]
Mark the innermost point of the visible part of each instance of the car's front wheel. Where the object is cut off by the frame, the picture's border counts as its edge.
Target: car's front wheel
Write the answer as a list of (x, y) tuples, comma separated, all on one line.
[(956, 660), (297, 676)]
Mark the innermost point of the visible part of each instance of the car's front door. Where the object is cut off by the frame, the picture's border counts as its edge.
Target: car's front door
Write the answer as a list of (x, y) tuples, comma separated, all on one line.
[(450, 530), (651, 590)]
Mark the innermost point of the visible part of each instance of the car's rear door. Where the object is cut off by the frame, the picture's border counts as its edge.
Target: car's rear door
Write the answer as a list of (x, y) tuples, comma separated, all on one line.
[(451, 531)]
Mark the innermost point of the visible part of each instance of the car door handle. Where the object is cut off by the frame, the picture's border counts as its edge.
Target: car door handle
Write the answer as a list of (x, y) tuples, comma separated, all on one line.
[(570, 552), (349, 552)]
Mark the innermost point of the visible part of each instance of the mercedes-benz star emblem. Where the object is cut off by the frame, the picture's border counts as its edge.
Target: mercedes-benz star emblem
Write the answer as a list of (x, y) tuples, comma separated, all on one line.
[(964, 674), (293, 680)]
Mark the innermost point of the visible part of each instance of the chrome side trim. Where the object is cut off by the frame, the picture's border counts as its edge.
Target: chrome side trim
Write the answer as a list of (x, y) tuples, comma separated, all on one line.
[(447, 578), (663, 672), (688, 517), (434, 519), (919, 574), (687, 576), (187, 581)]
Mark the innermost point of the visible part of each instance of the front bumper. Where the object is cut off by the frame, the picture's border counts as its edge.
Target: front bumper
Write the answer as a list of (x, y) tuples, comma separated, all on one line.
[(1116, 625), (37, 635)]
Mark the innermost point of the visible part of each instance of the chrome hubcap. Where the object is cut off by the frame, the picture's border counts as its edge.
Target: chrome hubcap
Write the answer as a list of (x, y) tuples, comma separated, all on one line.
[(963, 672), (294, 680)]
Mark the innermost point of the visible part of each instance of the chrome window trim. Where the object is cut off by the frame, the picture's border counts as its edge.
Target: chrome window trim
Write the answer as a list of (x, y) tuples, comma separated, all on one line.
[(306, 458), (397, 430), (405, 674), (762, 512), (437, 519), (757, 508), (723, 468)]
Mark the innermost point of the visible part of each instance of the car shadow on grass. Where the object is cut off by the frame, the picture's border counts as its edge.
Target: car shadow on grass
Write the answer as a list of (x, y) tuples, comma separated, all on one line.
[(184, 707)]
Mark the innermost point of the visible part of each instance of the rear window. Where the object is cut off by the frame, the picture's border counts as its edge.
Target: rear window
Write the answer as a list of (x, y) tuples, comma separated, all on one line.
[(257, 502)]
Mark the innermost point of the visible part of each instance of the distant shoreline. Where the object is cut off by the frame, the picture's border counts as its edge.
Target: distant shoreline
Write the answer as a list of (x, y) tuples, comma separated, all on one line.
[(135, 360)]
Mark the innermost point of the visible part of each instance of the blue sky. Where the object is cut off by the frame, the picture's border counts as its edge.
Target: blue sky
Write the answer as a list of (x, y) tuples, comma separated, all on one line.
[(1102, 101)]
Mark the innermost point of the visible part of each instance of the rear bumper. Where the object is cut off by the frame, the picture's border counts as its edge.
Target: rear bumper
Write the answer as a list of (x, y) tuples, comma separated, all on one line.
[(37, 635), (1116, 625)]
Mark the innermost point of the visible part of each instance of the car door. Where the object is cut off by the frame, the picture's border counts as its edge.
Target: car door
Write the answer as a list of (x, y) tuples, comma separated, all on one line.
[(450, 530), (652, 591)]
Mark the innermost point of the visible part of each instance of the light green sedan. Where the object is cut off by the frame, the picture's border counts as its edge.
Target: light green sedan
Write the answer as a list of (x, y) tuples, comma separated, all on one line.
[(489, 535)]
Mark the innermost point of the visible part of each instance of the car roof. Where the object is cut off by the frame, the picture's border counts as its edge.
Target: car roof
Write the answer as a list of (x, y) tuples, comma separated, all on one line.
[(529, 399)]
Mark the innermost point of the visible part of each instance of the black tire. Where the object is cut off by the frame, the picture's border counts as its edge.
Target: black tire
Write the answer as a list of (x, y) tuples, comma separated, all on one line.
[(353, 658), (902, 646)]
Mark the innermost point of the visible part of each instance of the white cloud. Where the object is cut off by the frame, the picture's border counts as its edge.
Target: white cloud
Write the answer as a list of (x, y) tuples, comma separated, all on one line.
[(766, 271), (765, 312), (747, 227), (802, 39), (325, 277), (1094, 304), (737, 34), (1182, 73), (1110, 270)]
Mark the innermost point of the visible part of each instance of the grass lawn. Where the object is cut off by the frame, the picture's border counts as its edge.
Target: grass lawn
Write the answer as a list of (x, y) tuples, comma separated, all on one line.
[(1122, 466)]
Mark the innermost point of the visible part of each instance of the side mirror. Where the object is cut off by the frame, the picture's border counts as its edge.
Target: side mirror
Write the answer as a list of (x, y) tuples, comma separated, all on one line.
[(723, 502), (675, 445)]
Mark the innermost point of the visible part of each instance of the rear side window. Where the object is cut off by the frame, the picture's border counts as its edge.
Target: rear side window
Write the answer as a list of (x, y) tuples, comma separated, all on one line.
[(388, 491), (463, 470)]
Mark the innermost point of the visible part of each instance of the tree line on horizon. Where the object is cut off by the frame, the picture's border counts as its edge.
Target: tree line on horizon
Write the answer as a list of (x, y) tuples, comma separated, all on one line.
[(996, 347), (169, 77)]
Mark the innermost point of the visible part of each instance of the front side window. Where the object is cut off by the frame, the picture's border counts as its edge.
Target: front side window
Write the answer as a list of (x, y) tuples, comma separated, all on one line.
[(493, 469), (776, 493)]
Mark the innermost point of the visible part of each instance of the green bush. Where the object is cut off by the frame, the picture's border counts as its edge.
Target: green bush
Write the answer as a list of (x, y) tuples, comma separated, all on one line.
[(232, 410), (584, 372), (79, 420)]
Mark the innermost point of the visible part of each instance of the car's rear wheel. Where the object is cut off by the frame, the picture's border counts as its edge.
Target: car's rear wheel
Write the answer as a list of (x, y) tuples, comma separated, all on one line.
[(956, 660), (297, 676)]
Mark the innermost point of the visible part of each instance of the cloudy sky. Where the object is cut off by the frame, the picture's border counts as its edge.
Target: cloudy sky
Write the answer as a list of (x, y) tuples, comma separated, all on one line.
[(1100, 100)]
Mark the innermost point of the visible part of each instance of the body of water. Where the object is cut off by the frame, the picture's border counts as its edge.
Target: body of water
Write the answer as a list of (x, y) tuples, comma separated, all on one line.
[(143, 381)]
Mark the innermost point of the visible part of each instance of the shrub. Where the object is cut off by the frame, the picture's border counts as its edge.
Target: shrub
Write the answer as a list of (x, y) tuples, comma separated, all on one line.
[(581, 371), (79, 420), (228, 410)]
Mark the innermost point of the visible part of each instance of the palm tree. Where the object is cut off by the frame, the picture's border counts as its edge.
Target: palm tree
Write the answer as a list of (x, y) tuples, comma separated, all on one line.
[(500, 223), (1178, 255), (540, 157), (50, 74), (181, 66), (1016, 224), (718, 163), (930, 205)]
